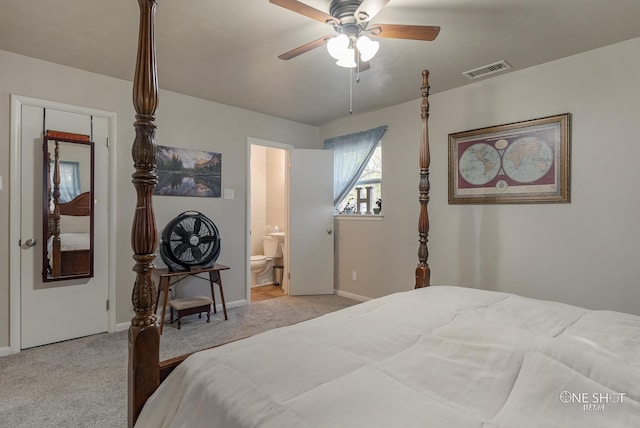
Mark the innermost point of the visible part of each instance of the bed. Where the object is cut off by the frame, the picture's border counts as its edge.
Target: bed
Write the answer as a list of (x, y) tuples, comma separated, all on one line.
[(436, 356), (68, 225), (433, 357)]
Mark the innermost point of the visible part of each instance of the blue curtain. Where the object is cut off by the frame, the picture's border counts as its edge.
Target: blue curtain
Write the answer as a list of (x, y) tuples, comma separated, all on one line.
[(69, 180), (351, 153)]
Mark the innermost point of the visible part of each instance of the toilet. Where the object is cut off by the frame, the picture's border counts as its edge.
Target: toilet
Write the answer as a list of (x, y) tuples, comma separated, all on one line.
[(262, 264)]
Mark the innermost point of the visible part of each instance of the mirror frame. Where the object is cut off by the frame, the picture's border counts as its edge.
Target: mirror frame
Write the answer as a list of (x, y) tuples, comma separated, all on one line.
[(49, 225)]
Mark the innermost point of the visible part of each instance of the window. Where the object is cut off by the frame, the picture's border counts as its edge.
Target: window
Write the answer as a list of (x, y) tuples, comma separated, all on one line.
[(357, 164), (69, 180), (371, 176)]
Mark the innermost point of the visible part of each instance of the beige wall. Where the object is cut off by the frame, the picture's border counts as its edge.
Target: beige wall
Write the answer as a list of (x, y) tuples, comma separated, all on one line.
[(258, 196), (182, 122), (268, 193), (583, 253), (276, 189)]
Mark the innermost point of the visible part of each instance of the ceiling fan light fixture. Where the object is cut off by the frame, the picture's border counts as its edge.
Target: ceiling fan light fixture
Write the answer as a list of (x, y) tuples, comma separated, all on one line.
[(351, 21), (348, 59), (367, 47), (337, 46)]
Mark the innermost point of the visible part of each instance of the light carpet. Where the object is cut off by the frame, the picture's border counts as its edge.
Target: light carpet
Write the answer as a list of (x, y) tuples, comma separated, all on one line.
[(83, 382)]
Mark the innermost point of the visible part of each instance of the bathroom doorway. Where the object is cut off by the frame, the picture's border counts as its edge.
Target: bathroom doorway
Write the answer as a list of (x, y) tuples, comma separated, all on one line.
[(268, 220), (298, 213)]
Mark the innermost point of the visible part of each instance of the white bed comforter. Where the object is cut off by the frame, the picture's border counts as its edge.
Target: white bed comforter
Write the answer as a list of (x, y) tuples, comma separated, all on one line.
[(441, 356), (70, 242)]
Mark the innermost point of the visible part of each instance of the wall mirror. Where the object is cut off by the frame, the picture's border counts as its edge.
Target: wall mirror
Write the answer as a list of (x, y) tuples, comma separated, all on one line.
[(68, 205)]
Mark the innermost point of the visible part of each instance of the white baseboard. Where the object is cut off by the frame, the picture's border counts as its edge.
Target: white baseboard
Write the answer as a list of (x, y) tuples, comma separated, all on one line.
[(122, 326), (234, 304), (352, 296), (5, 351)]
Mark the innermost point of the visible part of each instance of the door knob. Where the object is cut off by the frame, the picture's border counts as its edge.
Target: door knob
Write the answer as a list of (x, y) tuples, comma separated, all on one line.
[(329, 231), (30, 243)]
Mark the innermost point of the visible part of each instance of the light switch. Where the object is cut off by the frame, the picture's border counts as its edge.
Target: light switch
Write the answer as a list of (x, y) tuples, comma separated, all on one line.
[(229, 193)]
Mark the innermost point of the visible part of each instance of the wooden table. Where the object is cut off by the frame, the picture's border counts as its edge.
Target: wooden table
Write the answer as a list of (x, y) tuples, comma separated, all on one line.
[(214, 278)]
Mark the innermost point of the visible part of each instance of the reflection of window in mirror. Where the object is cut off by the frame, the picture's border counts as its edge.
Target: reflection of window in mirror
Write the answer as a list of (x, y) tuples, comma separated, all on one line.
[(69, 179)]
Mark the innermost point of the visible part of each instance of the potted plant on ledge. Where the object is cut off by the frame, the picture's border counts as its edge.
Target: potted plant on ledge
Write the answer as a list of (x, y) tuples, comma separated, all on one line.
[(378, 207)]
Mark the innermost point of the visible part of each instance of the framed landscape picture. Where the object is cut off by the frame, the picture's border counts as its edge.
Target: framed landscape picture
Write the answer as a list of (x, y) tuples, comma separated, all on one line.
[(188, 172), (522, 162)]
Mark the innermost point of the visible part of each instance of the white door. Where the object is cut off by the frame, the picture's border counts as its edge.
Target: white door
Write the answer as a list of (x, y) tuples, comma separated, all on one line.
[(60, 310), (311, 222)]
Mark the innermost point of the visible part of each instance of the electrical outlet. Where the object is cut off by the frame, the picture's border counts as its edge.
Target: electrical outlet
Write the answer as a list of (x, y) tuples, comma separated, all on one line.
[(354, 275)]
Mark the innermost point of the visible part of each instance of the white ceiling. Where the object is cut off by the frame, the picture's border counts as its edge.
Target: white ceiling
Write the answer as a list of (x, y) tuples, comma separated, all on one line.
[(226, 50)]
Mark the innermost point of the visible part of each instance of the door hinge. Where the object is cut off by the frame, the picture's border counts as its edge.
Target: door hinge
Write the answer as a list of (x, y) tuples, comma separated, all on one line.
[(107, 143), (107, 304), (20, 243)]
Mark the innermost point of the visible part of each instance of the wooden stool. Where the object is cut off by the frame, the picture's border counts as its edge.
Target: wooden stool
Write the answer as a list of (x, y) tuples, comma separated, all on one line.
[(191, 306)]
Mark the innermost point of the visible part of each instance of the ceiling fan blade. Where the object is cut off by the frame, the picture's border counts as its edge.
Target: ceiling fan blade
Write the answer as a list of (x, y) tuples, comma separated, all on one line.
[(303, 9), (304, 48), (411, 32), (368, 9)]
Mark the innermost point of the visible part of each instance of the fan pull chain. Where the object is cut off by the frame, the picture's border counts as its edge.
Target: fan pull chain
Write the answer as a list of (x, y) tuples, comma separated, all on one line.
[(351, 85), (350, 91)]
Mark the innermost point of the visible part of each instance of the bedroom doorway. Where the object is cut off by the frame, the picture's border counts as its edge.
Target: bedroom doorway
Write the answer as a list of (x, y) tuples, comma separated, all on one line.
[(48, 312)]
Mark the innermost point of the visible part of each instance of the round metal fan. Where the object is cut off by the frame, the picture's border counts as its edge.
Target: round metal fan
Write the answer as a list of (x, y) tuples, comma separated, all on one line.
[(191, 240)]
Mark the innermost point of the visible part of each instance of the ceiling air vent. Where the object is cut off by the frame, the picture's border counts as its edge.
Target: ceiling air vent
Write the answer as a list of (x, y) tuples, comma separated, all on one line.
[(487, 69)]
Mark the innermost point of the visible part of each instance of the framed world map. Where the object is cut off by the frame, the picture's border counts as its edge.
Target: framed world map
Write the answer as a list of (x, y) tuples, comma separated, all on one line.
[(522, 162)]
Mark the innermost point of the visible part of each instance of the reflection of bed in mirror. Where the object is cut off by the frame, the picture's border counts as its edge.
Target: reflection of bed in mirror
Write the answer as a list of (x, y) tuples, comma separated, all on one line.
[(70, 247)]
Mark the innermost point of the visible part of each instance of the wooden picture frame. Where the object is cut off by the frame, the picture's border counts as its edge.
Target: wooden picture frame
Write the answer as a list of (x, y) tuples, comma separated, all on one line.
[(521, 162)]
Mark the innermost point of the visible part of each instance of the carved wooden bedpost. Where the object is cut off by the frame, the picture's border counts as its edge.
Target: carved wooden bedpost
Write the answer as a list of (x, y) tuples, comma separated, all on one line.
[(144, 334), (56, 264), (423, 273)]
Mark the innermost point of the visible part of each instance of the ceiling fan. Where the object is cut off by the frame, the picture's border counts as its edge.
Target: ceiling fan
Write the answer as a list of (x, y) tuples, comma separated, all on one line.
[(351, 19)]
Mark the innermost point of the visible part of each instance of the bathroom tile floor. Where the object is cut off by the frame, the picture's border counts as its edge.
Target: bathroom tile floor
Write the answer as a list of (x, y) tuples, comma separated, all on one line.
[(266, 292)]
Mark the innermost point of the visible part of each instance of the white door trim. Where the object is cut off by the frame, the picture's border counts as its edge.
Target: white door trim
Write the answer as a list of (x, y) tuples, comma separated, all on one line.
[(17, 101), (247, 258)]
